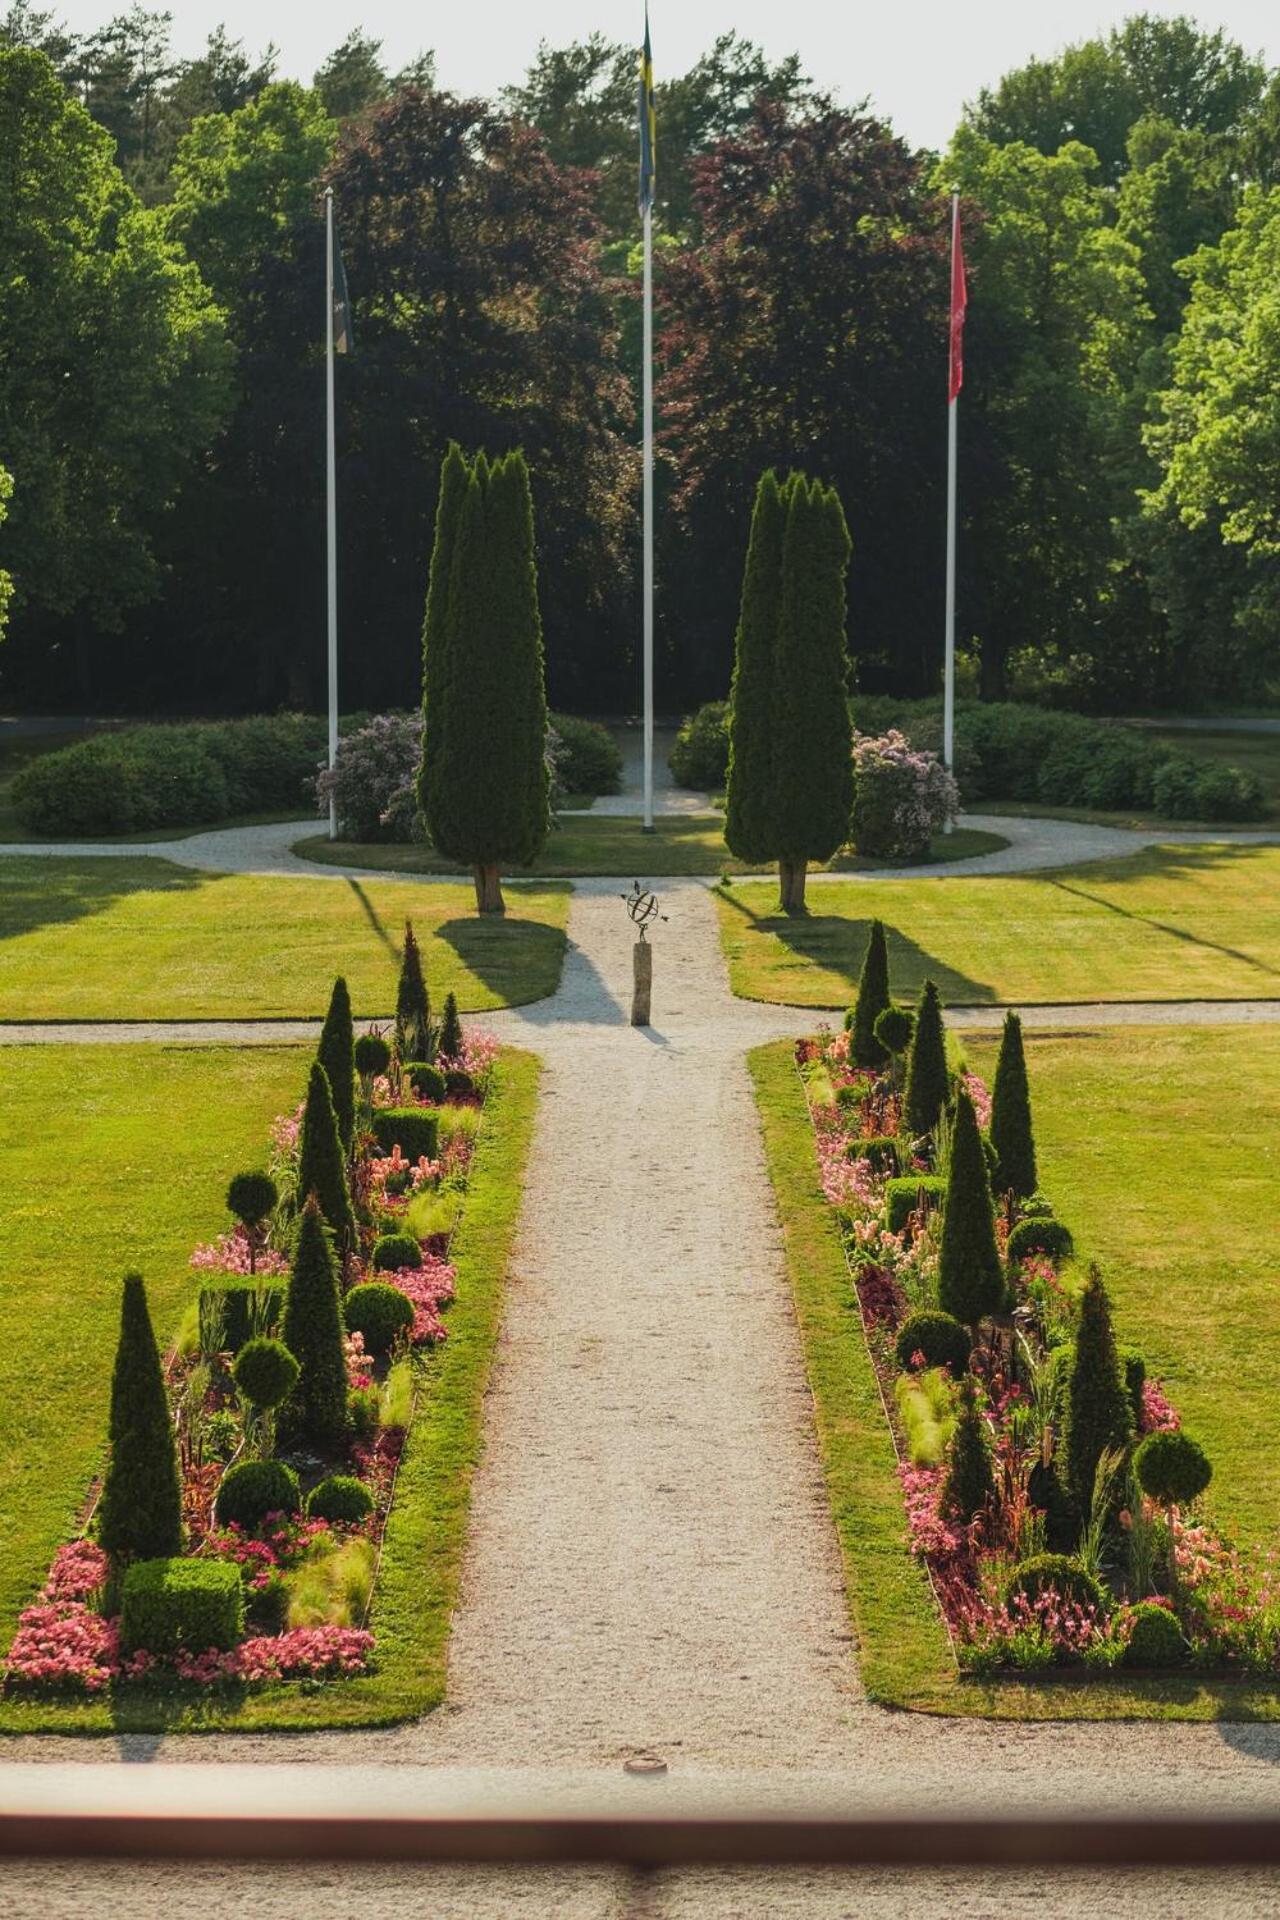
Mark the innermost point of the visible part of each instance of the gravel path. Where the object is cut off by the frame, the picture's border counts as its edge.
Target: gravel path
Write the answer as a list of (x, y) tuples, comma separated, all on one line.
[(652, 1564)]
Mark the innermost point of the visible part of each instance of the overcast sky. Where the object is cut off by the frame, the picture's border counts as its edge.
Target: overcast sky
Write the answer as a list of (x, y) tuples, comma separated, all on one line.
[(920, 60)]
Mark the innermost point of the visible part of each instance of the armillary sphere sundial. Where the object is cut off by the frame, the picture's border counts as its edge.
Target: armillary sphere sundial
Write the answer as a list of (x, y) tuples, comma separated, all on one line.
[(642, 906)]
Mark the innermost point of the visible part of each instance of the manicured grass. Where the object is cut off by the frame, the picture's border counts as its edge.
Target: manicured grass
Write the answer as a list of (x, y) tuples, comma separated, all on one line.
[(1172, 923), (610, 844), (426, 1532), (127, 939), (1095, 1130)]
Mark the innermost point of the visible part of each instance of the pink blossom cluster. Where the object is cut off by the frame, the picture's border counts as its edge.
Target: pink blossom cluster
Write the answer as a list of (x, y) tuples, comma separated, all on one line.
[(1066, 1628), (231, 1253), (78, 1572), (359, 1363), (927, 1530), (282, 1542), (1158, 1414), (430, 1287), (410, 1176), (64, 1643), (286, 1131), (302, 1653), (976, 1088), (847, 1183), (479, 1051)]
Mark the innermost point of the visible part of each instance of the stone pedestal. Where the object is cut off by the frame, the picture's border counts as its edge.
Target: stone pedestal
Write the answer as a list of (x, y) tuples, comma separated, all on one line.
[(643, 991)]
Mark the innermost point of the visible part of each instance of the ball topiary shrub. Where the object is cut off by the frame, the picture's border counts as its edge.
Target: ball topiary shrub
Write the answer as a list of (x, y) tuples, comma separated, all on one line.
[(911, 1193), (253, 1489), (882, 1150), (379, 1312), (938, 1336), (1048, 1237), (894, 1028), (181, 1606), (458, 1083), (339, 1497), (1173, 1468), (415, 1130), (265, 1372), (395, 1250), (251, 1197), (372, 1055), (1066, 1576), (426, 1079), (1155, 1639)]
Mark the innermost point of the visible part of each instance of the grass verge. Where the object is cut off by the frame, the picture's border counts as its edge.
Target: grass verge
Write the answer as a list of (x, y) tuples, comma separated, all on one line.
[(903, 1650), (426, 1530)]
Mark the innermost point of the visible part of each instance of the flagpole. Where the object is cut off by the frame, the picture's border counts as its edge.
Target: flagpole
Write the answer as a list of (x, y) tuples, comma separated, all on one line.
[(648, 518), (949, 679), (331, 506)]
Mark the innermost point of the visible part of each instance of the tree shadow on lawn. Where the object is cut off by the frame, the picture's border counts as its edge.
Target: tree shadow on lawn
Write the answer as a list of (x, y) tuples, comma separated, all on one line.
[(516, 960), (838, 943), (1174, 862), (54, 890)]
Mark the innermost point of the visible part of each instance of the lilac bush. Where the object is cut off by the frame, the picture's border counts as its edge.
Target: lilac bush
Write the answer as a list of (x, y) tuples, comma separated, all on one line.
[(373, 780), (901, 798)]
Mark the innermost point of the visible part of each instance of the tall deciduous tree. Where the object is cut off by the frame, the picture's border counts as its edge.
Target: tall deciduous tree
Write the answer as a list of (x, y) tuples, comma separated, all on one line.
[(140, 1514)]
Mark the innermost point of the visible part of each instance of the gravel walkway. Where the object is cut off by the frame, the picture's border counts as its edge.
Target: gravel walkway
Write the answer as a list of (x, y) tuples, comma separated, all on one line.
[(652, 1565)]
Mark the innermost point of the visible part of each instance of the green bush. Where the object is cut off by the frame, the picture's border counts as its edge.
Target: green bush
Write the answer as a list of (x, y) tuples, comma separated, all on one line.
[(140, 1513), (251, 1490), (926, 1408), (363, 1407), (700, 756), (1155, 1638), (970, 1277), (1134, 1368), (235, 1308), (1189, 789), (426, 1079), (313, 1333), (1066, 1576), (265, 1372), (380, 1312), (1048, 1237), (866, 1049), (372, 1055), (883, 1150), (181, 1606), (910, 1193), (1173, 1468), (336, 1054), (1011, 1131), (928, 1081), (415, 1130), (395, 1250), (339, 1497), (970, 1485), (938, 1336), (251, 1197), (894, 1027), (1099, 1416), (588, 759), (450, 1039), (322, 1162)]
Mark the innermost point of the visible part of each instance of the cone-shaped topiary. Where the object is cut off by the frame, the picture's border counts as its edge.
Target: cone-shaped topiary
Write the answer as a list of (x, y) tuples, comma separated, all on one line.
[(337, 1055), (1011, 1134), (438, 679), (140, 1514), (969, 1484), (413, 1005), (322, 1167), (450, 1043), (749, 783), (873, 999), (970, 1277), (313, 1333), (927, 1078), (1099, 1412)]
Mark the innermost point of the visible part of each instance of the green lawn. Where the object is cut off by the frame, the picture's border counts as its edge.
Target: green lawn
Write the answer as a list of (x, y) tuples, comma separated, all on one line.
[(609, 844), (1180, 1213), (121, 938), (1172, 923)]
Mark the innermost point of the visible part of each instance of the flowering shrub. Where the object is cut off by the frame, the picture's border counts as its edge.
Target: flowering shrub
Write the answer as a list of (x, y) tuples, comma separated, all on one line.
[(373, 780), (901, 798), (78, 1572), (231, 1252), (64, 1643), (315, 1653), (430, 1287)]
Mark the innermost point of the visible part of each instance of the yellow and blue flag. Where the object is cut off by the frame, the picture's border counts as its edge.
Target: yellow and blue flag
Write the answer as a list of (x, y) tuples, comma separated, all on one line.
[(648, 123)]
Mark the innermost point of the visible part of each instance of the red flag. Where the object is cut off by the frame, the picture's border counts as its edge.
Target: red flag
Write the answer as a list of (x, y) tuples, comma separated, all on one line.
[(959, 300)]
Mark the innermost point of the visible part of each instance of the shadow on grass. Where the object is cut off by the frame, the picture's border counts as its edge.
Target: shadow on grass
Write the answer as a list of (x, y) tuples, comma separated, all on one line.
[(40, 892), (1181, 862), (517, 960), (838, 943), (372, 916)]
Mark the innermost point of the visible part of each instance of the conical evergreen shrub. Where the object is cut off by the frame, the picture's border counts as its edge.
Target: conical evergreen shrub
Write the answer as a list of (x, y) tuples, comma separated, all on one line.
[(928, 1082), (1011, 1134), (450, 1044), (970, 1484), (413, 1004), (337, 1055), (970, 1278), (437, 662), (322, 1167), (140, 1513), (749, 785), (313, 1333), (1099, 1411), (873, 997)]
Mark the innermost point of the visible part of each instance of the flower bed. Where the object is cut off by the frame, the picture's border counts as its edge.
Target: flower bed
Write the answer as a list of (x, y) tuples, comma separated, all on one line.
[(1048, 1489), (240, 1403)]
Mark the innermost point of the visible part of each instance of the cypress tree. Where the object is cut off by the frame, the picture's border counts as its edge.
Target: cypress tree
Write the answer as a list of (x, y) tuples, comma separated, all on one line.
[(413, 1003), (970, 1484), (322, 1166), (450, 1029), (437, 678), (1099, 1412), (927, 1078), (873, 998), (1011, 1134), (313, 1333), (337, 1055), (748, 788), (970, 1278), (140, 1514)]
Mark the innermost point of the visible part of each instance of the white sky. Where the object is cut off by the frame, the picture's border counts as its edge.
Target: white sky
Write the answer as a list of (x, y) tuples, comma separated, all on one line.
[(919, 60)]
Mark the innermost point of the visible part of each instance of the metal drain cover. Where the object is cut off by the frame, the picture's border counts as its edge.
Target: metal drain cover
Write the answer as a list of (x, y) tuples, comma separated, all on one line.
[(648, 1763)]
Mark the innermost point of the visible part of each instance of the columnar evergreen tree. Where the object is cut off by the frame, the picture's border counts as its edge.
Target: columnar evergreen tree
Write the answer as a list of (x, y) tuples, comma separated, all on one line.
[(969, 1484), (413, 1004), (927, 1079), (140, 1514), (873, 998), (450, 1028), (313, 1333), (337, 1055), (1099, 1411), (322, 1167), (437, 677), (970, 1277), (484, 788), (1011, 1134), (749, 784)]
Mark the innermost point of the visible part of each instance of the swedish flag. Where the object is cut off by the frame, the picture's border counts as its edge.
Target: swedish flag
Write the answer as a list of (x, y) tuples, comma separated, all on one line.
[(648, 123)]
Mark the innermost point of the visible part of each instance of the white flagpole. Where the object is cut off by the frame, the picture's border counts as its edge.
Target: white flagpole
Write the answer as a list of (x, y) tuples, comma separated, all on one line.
[(648, 518), (949, 681), (331, 522)]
